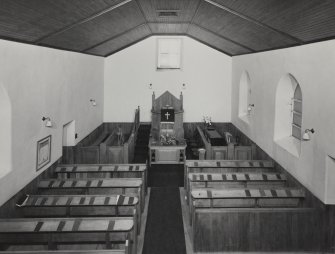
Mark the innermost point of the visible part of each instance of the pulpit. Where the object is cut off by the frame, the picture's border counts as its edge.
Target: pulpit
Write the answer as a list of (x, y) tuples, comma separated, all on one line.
[(167, 144)]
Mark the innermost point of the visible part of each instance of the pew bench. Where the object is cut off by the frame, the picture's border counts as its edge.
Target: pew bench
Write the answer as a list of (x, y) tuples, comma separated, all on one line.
[(60, 231), (114, 251), (80, 205), (234, 180), (103, 171), (227, 166), (244, 198), (132, 187)]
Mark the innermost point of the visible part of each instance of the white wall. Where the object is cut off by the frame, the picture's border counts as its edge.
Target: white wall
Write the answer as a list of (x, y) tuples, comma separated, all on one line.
[(313, 67), (205, 71), (46, 82)]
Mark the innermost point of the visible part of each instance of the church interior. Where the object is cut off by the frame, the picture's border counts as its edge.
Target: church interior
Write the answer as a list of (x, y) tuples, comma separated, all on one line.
[(167, 126)]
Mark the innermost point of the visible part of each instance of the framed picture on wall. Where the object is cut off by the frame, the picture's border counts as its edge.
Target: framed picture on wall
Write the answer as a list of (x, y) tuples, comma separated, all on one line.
[(43, 152)]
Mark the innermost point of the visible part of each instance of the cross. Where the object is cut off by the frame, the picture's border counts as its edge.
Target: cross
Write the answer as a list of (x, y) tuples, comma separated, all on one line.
[(167, 115)]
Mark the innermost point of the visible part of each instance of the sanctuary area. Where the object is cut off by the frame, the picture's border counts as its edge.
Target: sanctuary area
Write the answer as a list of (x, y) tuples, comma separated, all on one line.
[(167, 126)]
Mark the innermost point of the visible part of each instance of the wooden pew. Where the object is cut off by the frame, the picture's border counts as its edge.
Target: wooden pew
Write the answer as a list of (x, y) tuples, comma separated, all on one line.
[(103, 171), (244, 198), (234, 180), (257, 229), (227, 166), (81, 205), (55, 231), (125, 186), (116, 251)]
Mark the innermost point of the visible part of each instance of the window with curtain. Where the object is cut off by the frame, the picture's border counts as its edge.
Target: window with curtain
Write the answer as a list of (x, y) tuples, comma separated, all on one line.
[(169, 53), (297, 113)]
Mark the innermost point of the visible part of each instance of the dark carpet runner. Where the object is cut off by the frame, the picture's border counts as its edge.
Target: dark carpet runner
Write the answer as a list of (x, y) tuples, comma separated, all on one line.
[(164, 232)]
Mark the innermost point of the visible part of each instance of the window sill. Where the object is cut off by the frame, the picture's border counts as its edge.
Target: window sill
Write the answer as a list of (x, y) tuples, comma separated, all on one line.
[(291, 145)]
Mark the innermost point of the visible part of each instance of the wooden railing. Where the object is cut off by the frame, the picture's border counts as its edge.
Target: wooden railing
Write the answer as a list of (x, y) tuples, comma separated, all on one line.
[(129, 146)]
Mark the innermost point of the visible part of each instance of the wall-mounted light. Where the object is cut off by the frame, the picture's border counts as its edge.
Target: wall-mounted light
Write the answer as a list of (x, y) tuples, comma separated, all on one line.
[(150, 86), (250, 106), (93, 102), (184, 87), (306, 136), (47, 121)]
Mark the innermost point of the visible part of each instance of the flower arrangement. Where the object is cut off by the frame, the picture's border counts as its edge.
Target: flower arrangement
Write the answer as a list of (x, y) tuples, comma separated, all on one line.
[(168, 140), (207, 121)]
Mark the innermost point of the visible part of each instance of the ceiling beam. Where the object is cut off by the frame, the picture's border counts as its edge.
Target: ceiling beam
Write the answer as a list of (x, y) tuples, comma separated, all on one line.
[(98, 14), (254, 21), (195, 13), (225, 38), (113, 37), (126, 46), (209, 45), (143, 14)]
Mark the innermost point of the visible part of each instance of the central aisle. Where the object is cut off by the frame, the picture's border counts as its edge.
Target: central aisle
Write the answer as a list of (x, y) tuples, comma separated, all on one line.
[(164, 232)]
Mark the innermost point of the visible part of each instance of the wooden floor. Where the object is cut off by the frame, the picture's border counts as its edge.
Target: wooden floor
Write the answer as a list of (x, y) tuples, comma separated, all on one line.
[(188, 236)]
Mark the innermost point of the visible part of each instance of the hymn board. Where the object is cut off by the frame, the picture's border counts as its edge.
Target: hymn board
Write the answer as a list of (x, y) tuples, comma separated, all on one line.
[(167, 144)]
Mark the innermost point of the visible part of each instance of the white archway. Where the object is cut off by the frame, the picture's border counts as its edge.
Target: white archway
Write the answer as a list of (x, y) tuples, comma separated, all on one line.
[(5, 133), (244, 95)]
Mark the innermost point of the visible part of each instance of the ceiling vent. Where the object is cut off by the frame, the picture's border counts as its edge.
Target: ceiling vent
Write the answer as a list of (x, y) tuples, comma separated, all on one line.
[(167, 13)]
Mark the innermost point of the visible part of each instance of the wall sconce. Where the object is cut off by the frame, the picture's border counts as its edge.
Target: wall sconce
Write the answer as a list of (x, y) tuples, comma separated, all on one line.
[(150, 86), (93, 102), (250, 106), (306, 136), (47, 121), (184, 87)]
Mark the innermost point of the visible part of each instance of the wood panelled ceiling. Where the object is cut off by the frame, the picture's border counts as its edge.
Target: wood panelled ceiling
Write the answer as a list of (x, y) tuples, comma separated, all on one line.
[(103, 27)]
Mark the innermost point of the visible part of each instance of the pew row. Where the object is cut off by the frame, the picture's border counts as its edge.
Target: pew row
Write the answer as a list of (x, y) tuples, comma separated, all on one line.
[(81, 205), (114, 251), (103, 171), (60, 231), (244, 198), (227, 166), (132, 187), (234, 180), (256, 229)]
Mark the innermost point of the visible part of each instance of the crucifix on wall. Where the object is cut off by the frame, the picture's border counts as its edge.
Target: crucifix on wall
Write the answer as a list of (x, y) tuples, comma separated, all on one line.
[(167, 115)]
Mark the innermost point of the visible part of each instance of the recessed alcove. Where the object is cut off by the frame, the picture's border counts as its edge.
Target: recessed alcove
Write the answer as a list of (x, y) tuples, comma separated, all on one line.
[(5, 133), (69, 134), (244, 97), (284, 108)]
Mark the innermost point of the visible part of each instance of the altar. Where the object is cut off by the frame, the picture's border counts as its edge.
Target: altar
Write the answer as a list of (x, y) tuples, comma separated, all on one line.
[(167, 144)]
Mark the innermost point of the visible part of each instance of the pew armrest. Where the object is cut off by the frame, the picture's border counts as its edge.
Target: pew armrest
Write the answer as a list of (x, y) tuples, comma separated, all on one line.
[(23, 202)]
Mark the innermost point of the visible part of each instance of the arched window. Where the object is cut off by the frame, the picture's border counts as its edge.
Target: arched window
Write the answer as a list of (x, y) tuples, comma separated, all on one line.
[(297, 112), (244, 96), (288, 114), (5, 133)]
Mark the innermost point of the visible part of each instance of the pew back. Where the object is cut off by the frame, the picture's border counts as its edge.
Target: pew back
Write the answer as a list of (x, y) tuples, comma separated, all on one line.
[(124, 186), (103, 171), (53, 231), (256, 229)]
